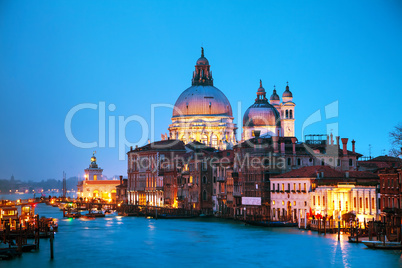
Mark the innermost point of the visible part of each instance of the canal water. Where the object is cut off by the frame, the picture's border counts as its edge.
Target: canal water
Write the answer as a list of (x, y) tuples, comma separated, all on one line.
[(116, 241)]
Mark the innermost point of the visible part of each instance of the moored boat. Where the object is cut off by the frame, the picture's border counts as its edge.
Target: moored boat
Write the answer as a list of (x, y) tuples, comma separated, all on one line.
[(382, 244)]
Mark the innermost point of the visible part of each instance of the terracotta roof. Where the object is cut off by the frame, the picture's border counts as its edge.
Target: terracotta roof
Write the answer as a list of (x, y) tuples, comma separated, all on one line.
[(362, 175), (311, 172), (166, 145), (385, 158)]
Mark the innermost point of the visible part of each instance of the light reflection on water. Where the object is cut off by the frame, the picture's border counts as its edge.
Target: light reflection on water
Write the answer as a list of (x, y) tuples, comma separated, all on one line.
[(131, 241)]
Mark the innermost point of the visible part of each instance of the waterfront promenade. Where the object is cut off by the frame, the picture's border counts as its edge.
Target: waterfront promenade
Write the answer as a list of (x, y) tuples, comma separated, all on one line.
[(140, 242)]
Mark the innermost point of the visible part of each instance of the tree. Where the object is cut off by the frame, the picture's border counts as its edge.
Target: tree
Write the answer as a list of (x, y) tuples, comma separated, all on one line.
[(396, 140)]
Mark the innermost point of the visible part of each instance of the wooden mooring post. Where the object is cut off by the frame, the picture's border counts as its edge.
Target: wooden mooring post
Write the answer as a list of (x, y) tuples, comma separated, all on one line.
[(51, 243)]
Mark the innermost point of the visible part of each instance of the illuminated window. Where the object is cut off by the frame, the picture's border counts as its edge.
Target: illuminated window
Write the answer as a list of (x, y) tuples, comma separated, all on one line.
[(283, 187), (283, 202), (367, 203), (323, 201), (273, 202), (294, 203), (214, 141), (347, 206), (372, 202), (354, 202), (360, 202), (204, 139), (313, 200), (340, 205), (294, 187), (95, 177), (318, 197), (305, 186)]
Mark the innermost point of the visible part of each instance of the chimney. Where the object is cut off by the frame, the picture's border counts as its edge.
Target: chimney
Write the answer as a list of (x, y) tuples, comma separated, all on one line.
[(294, 145), (327, 140), (121, 179), (275, 142), (131, 148), (337, 141), (136, 147), (282, 146), (353, 146), (345, 144), (332, 139)]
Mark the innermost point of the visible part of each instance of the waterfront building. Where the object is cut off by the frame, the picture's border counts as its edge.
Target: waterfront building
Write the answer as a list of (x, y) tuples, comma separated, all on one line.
[(378, 163), (195, 182), (202, 112), (152, 173), (94, 186), (121, 191), (323, 191), (391, 189)]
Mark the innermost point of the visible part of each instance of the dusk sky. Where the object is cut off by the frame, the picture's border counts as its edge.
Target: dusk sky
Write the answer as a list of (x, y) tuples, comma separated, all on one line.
[(55, 55)]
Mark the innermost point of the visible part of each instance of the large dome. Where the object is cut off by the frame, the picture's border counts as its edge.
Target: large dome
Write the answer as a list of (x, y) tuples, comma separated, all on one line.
[(202, 100), (261, 114)]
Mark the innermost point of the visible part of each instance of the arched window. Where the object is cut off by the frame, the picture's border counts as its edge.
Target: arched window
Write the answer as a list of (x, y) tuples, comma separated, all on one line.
[(287, 113), (214, 141), (350, 162), (291, 114), (322, 163), (204, 139), (289, 161), (204, 195), (204, 180)]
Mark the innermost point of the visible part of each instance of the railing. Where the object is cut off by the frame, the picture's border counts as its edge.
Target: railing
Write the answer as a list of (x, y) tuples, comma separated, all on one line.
[(237, 194), (220, 179)]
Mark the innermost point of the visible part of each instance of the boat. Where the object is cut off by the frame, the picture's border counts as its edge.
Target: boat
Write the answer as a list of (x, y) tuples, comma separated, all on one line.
[(96, 214), (86, 217), (74, 215), (272, 223), (382, 244)]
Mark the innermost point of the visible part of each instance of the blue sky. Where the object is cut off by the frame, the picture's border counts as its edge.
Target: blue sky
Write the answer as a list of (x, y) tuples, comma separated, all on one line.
[(55, 55)]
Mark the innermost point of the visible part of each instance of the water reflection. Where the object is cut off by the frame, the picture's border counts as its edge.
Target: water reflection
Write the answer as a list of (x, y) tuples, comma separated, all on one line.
[(131, 241)]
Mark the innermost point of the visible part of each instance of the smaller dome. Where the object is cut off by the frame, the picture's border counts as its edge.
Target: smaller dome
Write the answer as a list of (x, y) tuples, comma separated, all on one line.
[(202, 61), (274, 96), (287, 93)]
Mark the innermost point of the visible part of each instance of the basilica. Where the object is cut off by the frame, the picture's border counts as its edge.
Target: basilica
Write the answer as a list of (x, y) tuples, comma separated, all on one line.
[(203, 113)]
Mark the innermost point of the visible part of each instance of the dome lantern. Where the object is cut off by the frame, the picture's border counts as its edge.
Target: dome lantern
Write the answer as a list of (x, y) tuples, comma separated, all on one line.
[(202, 75)]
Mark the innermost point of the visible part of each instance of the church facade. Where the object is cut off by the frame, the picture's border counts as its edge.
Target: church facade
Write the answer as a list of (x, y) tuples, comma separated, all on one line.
[(203, 113)]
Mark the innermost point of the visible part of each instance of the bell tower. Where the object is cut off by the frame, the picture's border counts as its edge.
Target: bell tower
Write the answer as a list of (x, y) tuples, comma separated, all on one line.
[(93, 172), (288, 113)]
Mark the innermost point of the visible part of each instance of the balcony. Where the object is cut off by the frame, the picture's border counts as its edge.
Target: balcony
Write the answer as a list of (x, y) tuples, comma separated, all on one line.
[(220, 179), (237, 194)]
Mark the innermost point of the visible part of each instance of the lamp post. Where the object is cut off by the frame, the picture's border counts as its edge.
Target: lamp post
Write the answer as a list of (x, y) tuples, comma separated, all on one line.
[(339, 227)]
